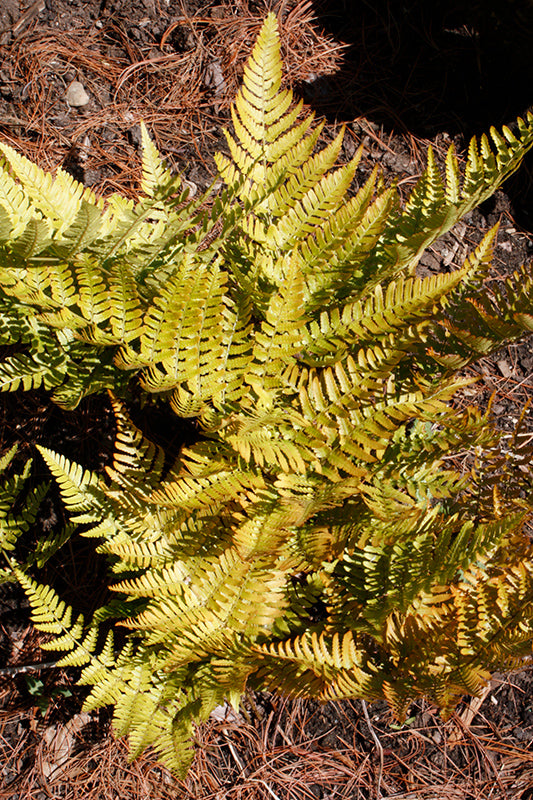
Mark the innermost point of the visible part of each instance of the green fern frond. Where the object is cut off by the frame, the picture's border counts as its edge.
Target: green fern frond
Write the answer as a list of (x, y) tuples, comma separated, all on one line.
[(317, 205), (127, 309), (15, 520), (49, 612), (94, 299), (30, 372), (33, 240)]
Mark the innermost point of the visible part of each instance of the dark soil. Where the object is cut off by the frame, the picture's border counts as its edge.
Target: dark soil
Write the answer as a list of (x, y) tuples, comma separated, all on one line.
[(407, 77)]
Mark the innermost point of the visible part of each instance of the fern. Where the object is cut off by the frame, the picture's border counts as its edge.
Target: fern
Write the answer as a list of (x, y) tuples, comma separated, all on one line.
[(20, 504), (15, 522), (317, 539)]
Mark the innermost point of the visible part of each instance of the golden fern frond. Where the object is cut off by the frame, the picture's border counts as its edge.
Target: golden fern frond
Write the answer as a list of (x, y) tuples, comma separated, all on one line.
[(7, 458), (257, 439), (333, 665), (126, 311), (28, 285), (218, 598), (130, 687), (59, 199), (131, 554), (264, 120), (16, 208), (195, 335), (49, 612), (157, 180), (80, 488), (157, 582), (427, 197), (33, 240), (149, 717), (428, 215), (283, 331), (93, 297), (62, 284), (317, 205), (404, 302), (209, 493), (81, 233), (135, 457), (341, 244), (306, 178), (163, 319), (486, 168)]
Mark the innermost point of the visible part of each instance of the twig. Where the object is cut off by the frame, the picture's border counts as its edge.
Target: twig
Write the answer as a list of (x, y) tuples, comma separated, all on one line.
[(379, 748), (33, 11), (269, 790), (19, 668)]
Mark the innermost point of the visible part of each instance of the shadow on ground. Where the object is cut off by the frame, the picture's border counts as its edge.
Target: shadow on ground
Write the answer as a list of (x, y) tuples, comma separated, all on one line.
[(422, 68)]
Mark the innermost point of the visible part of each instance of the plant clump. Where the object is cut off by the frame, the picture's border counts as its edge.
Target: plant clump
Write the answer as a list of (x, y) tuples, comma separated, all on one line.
[(317, 540)]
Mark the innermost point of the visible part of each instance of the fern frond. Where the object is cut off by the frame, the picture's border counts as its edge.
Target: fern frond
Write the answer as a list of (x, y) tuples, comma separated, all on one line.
[(33, 240), (126, 309), (30, 372), (80, 489), (49, 612), (157, 180), (135, 457), (14, 522), (17, 211), (59, 199), (82, 232), (316, 206)]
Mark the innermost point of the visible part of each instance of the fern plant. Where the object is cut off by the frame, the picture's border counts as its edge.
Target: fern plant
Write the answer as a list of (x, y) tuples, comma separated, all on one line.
[(317, 540), (19, 507)]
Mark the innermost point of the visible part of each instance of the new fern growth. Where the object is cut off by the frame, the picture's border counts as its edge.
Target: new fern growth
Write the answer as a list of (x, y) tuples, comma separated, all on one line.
[(315, 542)]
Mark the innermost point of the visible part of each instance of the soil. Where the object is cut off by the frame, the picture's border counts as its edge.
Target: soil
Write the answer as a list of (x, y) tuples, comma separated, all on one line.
[(176, 65)]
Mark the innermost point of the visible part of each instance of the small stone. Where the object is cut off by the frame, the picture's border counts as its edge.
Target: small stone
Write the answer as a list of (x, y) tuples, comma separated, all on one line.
[(214, 79), (505, 368), (191, 187), (76, 95)]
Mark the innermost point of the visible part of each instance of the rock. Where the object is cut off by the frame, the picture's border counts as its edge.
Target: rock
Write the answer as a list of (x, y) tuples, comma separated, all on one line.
[(76, 95), (225, 713), (505, 368), (214, 78)]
